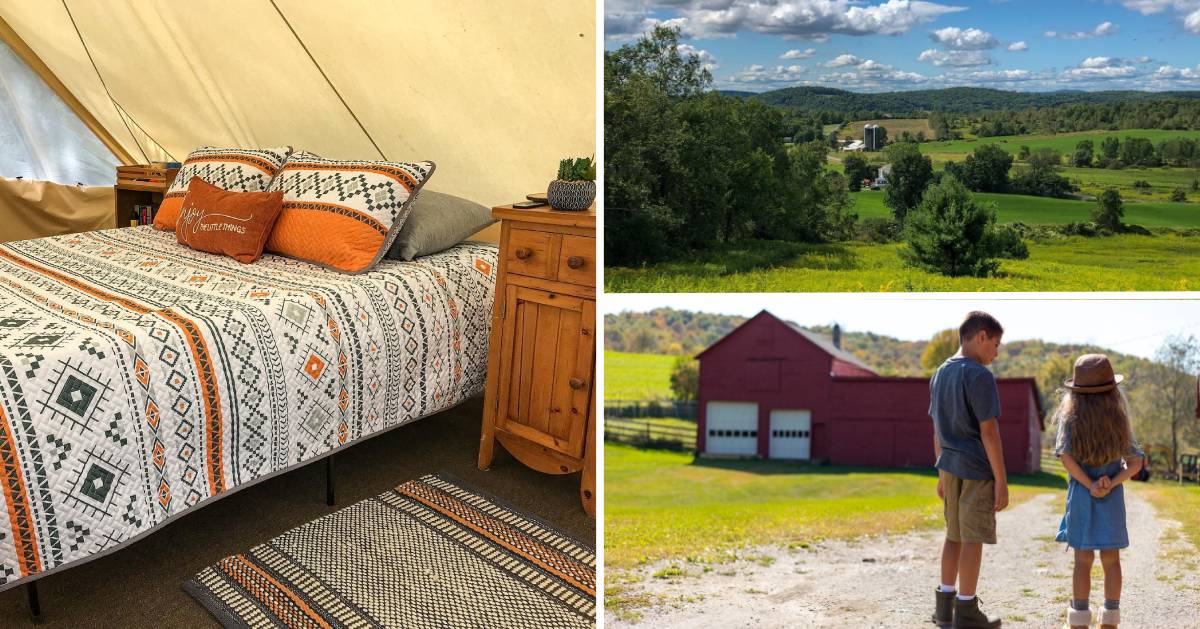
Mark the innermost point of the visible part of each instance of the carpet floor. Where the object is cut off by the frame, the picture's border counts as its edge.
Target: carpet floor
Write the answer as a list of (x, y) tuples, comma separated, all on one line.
[(140, 585)]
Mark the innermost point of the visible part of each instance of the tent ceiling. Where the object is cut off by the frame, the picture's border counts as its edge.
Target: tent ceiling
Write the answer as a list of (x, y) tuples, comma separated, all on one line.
[(494, 92)]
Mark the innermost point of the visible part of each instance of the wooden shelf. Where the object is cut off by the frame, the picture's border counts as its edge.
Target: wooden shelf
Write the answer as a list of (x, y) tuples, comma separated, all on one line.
[(140, 185)]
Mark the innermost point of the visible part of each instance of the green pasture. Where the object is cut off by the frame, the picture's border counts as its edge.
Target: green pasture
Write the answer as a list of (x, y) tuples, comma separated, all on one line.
[(1013, 208), (661, 505), (894, 126), (1162, 181), (637, 376), (1126, 262), (1061, 142)]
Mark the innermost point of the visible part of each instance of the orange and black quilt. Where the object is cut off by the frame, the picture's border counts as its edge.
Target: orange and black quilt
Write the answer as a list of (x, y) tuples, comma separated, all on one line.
[(140, 378)]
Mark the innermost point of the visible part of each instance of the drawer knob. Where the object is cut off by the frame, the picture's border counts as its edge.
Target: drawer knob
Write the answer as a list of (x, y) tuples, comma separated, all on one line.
[(523, 253), (575, 262), (576, 383)]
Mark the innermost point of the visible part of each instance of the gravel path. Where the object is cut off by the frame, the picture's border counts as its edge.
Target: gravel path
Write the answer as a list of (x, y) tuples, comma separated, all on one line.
[(889, 581)]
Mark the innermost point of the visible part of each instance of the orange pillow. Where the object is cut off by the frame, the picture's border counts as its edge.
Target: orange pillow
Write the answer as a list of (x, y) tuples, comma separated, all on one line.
[(236, 224), (343, 215)]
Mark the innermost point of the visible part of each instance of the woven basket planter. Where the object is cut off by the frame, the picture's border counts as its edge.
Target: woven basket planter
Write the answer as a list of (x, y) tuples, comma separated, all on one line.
[(571, 195)]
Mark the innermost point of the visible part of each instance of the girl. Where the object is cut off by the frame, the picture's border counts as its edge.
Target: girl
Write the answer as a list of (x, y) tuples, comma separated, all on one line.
[(1096, 445)]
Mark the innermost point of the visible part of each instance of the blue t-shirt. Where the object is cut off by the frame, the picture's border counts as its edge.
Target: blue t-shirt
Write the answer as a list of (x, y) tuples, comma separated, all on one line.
[(961, 394)]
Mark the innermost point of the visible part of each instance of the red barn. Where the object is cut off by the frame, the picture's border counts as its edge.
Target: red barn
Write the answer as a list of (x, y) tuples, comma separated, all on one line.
[(772, 389)]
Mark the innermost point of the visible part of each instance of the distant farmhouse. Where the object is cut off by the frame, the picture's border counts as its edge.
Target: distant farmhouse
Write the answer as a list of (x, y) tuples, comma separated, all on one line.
[(771, 389), (853, 145), (880, 180)]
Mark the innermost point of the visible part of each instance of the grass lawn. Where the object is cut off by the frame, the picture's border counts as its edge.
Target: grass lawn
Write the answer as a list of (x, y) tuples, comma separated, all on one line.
[(1175, 501), (661, 505), (643, 429), (1012, 208), (1062, 142), (894, 126), (1162, 181), (1116, 263), (637, 376)]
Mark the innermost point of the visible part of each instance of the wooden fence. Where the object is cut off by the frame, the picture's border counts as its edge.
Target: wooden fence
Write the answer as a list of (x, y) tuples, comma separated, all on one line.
[(648, 433)]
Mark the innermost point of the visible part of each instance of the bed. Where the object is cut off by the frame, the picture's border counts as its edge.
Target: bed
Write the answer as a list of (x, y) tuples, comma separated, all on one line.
[(140, 379)]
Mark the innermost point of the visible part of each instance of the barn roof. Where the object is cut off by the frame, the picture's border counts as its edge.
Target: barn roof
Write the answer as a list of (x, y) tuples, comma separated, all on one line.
[(826, 345), (821, 341)]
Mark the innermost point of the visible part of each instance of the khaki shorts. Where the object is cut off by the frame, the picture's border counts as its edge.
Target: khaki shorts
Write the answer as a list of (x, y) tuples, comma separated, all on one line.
[(970, 509)]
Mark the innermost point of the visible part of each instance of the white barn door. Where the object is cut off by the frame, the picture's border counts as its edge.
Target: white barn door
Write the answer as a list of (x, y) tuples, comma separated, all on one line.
[(732, 428), (791, 434)]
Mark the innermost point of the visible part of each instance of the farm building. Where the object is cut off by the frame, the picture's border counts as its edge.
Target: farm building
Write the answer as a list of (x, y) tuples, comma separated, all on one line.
[(772, 389)]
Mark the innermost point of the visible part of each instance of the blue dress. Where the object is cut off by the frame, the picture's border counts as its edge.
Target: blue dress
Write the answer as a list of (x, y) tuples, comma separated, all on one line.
[(1093, 523)]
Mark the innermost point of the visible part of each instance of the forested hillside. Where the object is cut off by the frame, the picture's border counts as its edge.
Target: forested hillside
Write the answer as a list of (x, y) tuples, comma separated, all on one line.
[(961, 100)]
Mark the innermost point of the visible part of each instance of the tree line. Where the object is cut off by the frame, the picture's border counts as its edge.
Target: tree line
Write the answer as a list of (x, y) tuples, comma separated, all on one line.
[(687, 168)]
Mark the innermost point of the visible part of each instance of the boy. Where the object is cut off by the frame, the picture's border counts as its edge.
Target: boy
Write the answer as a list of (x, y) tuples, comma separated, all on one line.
[(965, 406)]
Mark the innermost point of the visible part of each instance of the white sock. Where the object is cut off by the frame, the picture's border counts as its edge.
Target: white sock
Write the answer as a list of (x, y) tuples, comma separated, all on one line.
[(965, 598), (943, 588)]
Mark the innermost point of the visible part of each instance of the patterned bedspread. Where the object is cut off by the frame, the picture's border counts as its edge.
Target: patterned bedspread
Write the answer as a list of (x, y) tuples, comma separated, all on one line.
[(139, 378)]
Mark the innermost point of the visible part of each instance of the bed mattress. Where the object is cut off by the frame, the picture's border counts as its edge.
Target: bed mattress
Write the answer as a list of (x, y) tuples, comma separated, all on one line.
[(140, 378)]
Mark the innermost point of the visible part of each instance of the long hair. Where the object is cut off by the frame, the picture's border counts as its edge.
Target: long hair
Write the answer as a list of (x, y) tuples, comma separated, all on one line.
[(1100, 427)]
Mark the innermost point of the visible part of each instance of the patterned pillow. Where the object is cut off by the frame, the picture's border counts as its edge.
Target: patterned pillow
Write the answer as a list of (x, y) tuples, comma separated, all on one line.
[(235, 170), (343, 214)]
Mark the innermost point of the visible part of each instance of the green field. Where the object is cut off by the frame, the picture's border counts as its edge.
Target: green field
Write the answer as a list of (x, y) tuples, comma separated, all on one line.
[(1115, 263), (661, 505), (1061, 142), (1162, 181), (894, 126), (1012, 208), (637, 376)]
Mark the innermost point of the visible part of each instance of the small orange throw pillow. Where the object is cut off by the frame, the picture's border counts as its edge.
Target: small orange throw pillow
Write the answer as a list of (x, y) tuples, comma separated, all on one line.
[(236, 224)]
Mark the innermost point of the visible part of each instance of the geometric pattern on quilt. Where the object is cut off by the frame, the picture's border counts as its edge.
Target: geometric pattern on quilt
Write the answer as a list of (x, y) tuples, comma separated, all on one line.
[(343, 214), (139, 378), (231, 169)]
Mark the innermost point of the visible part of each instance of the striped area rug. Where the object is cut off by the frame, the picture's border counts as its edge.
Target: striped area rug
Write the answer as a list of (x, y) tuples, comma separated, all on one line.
[(430, 553)]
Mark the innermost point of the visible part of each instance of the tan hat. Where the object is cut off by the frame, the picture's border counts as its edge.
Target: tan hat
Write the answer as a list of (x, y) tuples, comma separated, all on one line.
[(1093, 374)]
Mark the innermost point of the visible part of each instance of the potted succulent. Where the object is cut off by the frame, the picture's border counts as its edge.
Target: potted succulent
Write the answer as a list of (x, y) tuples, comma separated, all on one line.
[(575, 188)]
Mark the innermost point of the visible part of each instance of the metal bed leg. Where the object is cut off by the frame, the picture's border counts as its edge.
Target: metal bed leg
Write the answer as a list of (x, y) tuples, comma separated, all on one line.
[(35, 606), (329, 480)]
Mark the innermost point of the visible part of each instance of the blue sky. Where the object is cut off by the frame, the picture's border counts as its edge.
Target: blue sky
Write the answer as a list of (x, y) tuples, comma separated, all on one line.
[(1135, 325), (892, 45)]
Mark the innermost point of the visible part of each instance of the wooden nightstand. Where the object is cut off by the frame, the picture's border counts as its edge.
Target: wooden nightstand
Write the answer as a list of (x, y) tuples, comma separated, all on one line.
[(140, 185), (541, 359)]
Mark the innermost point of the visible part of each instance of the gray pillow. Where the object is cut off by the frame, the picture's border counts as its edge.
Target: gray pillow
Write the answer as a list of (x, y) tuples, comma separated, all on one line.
[(438, 221)]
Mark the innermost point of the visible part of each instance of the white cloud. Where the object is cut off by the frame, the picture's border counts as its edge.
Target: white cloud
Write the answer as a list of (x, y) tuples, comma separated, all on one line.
[(706, 59), (843, 60), (1019, 46), (1149, 7), (813, 20), (1188, 11), (1101, 68), (1192, 22), (1096, 62), (991, 76), (956, 58), (763, 75), (1171, 72), (1101, 30), (799, 54), (964, 39)]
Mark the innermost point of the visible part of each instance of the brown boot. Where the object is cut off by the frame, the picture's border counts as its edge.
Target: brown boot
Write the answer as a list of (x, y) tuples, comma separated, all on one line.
[(1110, 618), (967, 615), (943, 611), (1078, 618)]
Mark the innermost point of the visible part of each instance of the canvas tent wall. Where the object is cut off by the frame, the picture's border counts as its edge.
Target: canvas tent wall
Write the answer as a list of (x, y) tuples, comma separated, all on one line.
[(494, 92)]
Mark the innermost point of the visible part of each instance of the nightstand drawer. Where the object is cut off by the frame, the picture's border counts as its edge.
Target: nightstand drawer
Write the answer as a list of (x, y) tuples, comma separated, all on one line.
[(529, 252), (577, 260)]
